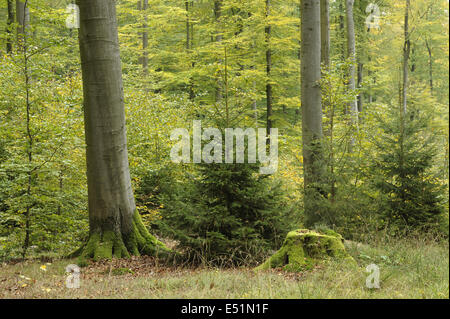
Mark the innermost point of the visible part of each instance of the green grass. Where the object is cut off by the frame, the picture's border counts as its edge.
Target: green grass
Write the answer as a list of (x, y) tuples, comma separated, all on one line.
[(408, 269)]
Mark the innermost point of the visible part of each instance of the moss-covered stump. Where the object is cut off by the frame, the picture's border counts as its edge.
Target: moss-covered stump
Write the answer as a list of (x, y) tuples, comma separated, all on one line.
[(108, 244), (303, 248)]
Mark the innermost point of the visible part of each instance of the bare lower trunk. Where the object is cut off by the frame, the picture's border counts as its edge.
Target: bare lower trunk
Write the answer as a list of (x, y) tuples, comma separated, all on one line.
[(311, 102), (115, 225)]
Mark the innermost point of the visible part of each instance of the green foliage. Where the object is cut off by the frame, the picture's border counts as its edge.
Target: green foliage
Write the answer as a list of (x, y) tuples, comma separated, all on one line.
[(230, 215), (410, 193), (393, 178)]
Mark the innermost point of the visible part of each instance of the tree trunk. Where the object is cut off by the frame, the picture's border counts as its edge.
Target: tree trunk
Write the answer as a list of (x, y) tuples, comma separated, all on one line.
[(268, 31), (430, 64), (9, 22), (325, 32), (189, 44), (359, 83), (342, 30), (115, 225), (145, 38), (351, 54), (406, 53), (311, 103), (22, 18), (217, 15)]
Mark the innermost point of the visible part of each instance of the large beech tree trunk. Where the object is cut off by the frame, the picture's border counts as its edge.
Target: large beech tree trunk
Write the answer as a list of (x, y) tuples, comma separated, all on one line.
[(311, 108), (115, 226)]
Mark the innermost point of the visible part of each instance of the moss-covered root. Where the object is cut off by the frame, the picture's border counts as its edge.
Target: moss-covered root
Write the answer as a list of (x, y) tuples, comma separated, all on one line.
[(141, 242), (104, 246), (109, 244), (304, 248)]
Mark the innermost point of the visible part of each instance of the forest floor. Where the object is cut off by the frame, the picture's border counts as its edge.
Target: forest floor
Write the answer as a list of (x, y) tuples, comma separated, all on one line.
[(408, 269)]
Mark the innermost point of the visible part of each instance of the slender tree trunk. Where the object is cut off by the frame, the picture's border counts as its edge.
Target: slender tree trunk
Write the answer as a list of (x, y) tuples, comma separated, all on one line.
[(9, 22), (430, 64), (325, 32), (342, 30), (371, 81), (351, 54), (311, 102), (145, 38), (325, 44), (268, 31), (217, 15), (22, 18), (359, 83), (61, 180), (189, 44), (406, 53), (188, 26), (115, 225)]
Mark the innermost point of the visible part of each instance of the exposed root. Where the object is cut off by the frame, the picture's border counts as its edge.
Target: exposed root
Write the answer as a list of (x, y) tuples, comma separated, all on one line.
[(110, 244)]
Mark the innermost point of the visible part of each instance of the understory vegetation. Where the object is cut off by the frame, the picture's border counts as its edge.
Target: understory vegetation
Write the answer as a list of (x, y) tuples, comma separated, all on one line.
[(375, 171), (408, 269)]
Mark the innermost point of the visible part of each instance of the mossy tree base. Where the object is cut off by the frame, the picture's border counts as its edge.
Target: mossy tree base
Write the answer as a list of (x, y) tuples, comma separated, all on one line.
[(303, 248), (109, 244)]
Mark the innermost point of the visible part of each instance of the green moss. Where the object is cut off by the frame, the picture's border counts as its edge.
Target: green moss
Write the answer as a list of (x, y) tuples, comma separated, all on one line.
[(303, 249), (109, 244)]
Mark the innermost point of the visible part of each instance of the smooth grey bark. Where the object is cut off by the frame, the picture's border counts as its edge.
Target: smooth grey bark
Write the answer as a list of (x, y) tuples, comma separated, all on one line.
[(311, 102), (351, 55), (111, 201), (22, 18), (116, 229)]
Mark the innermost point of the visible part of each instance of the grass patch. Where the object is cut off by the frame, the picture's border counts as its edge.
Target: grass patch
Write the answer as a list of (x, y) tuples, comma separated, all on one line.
[(408, 269)]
